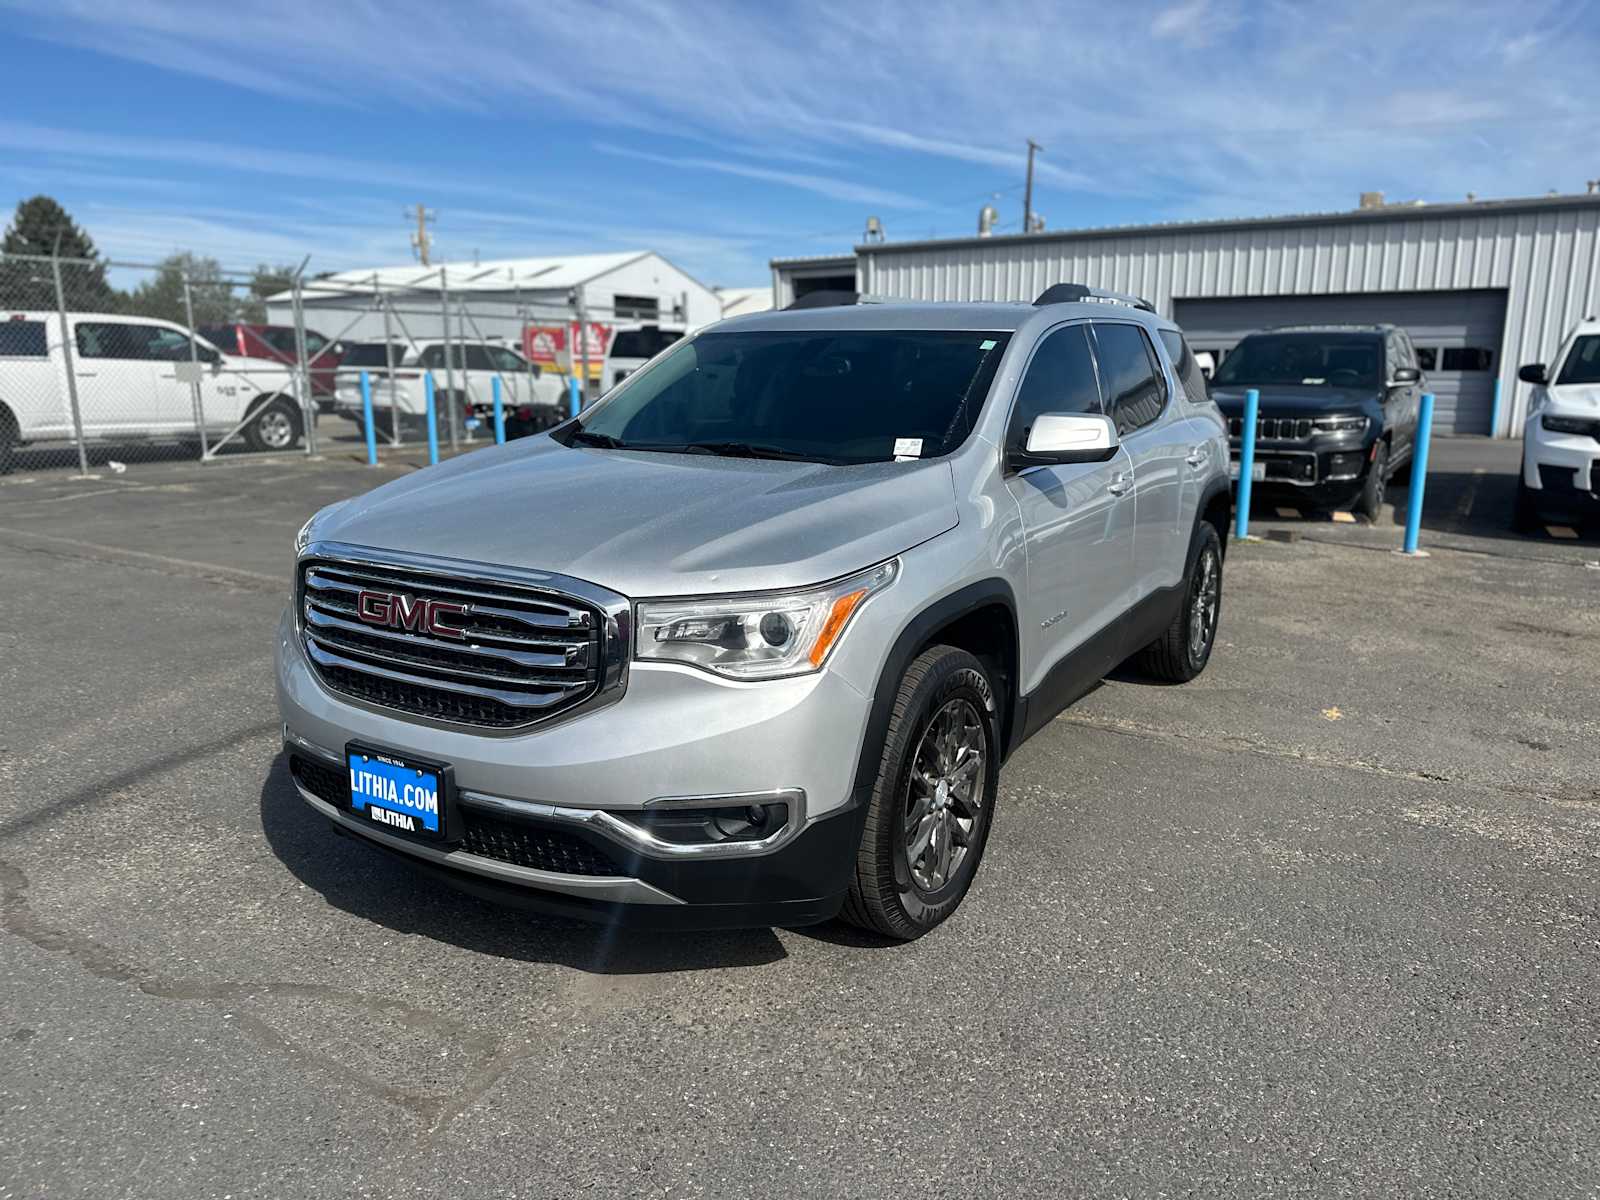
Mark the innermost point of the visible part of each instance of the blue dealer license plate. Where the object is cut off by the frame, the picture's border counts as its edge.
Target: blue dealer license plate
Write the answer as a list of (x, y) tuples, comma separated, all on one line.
[(402, 795)]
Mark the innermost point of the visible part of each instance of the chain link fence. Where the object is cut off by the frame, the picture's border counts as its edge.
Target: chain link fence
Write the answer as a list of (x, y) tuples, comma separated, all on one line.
[(96, 375)]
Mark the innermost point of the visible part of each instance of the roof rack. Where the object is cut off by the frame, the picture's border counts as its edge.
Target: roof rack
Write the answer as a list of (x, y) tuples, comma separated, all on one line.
[(1077, 293)]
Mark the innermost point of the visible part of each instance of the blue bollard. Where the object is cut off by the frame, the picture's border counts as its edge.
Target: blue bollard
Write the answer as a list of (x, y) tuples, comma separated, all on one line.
[(366, 419), (1247, 463), (433, 424), (1494, 412), (1419, 472), (575, 396), (499, 415)]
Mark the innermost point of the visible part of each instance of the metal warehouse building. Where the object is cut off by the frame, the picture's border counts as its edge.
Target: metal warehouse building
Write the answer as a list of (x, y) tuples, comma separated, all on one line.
[(1482, 286)]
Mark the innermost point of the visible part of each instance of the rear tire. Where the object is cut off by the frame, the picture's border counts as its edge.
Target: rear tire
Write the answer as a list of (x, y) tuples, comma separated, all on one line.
[(933, 803), (1182, 652), (274, 426), (8, 441)]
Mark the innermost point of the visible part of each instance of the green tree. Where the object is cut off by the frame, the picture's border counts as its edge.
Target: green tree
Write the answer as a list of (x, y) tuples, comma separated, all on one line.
[(266, 280), (162, 295), (41, 227)]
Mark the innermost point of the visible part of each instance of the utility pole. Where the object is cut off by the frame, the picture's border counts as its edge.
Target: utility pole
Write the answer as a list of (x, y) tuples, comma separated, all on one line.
[(422, 240), (1027, 193)]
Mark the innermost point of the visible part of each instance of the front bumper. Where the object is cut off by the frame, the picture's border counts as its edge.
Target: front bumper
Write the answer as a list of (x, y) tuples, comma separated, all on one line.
[(548, 816), (1317, 472)]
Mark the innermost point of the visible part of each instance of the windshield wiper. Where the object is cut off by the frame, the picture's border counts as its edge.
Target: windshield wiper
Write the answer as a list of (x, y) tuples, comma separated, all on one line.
[(743, 450), (585, 437)]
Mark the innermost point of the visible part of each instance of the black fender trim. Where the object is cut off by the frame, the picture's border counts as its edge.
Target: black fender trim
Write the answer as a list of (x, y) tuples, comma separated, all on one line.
[(904, 651)]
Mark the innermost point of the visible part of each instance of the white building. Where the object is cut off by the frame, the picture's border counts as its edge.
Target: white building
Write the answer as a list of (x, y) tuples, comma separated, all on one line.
[(1482, 286), (496, 299)]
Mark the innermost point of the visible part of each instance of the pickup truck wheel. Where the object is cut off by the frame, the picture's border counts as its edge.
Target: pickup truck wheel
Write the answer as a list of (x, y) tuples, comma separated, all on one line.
[(8, 442), (931, 808), (1182, 652), (1370, 503), (275, 426)]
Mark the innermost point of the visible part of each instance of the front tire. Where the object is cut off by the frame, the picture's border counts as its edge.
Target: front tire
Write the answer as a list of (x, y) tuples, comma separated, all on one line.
[(1182, 652), (8, 442), (1369, 503), (932, 806), (1525, 514), (274, 426)]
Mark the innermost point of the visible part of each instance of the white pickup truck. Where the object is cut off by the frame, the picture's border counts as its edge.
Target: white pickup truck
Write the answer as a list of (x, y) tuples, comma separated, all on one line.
[(133, 381), (532, 400)]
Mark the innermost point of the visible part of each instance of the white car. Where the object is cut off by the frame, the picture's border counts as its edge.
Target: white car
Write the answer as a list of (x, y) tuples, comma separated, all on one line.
[(531, 399), (134, 379), (1561, 441), (630, 349)]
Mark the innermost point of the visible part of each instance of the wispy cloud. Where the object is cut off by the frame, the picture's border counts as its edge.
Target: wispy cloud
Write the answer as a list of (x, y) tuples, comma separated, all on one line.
[(822, 185)]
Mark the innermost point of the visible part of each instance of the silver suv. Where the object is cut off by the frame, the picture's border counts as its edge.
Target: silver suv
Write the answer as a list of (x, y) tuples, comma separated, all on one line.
[(747, 641)]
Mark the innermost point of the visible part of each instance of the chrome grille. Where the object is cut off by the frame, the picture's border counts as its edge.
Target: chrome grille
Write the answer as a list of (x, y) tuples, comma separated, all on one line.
[(524, 652), (1275, 429)]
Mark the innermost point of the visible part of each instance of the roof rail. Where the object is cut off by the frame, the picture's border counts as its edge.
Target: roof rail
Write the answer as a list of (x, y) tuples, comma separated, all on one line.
[(1077, 293), (829, 298)]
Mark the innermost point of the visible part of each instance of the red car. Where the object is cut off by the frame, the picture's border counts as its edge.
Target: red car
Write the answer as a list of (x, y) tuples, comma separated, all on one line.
[(277, 343)]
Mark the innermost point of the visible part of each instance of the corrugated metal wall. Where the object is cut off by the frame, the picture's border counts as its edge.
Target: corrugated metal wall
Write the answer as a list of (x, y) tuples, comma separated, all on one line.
[(1546, 257)]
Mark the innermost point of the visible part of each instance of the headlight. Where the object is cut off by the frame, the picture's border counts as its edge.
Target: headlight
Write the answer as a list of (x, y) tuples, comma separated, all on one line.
[(1340, 424), (1556, 424), (761, 636)]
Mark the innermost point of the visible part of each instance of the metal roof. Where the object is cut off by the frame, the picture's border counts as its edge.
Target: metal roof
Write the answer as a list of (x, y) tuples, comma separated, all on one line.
[(557, 273), (1387, 212)]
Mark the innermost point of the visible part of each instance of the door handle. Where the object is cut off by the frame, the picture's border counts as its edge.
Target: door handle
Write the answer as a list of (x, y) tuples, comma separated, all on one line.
[(1119, 485), (1197, 457)]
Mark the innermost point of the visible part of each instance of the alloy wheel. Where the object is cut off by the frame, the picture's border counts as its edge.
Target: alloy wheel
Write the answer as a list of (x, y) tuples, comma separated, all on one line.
[(275, 428), (944, 797), (1204, 602)]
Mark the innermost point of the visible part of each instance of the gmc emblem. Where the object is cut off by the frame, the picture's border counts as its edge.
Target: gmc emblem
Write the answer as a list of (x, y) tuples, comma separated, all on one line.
[(409, 612)]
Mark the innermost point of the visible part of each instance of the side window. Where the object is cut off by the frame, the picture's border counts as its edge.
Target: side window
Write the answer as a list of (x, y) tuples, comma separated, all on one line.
[(1134, 389), (1183, 360), (478, 358), (432, 358), (22, 339), (1060, 379), (104, 339), (507, 360)]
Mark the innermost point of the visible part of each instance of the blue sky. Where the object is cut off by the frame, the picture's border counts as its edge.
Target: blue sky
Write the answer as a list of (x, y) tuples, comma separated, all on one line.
[(722, 134)]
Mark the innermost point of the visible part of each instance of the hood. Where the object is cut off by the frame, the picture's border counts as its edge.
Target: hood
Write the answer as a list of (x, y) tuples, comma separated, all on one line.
[(1574, 399), (1280, 398), (654, 524)]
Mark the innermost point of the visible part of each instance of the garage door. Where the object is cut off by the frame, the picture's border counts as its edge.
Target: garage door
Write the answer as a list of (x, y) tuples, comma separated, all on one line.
[(1457, 336)]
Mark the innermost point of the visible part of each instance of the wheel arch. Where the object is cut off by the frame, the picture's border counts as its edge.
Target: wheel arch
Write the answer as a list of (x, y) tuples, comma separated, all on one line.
[(1215, 509), (981, 619)]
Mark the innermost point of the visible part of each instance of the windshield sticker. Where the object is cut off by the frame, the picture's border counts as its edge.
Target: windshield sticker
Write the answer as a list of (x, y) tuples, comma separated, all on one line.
[(989, 345), (906, 449)]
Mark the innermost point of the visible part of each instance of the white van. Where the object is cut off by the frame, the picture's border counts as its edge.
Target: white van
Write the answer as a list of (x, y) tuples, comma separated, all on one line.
[(133, 377)]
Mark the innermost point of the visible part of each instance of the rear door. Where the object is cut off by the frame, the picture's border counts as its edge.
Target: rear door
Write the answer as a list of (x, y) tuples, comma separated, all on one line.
[(31, 384), (1138, 397), (116, 370), (1077, 518)]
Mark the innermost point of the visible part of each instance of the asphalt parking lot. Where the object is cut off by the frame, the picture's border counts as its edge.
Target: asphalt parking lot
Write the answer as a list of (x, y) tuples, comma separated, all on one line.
[(1325, 922)]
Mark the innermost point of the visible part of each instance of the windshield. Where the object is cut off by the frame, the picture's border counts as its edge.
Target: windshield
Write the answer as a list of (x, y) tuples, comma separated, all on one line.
[(1305, 359), (1583, 362), (846, 396)]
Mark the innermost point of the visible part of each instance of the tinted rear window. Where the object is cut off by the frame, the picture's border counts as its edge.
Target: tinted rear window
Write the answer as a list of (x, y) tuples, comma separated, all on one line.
[(370, 354), (22, 339), (643, 343)]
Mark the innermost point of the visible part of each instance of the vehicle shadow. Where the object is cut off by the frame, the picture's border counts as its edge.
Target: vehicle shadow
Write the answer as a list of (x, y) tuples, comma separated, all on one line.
[(386, 890)]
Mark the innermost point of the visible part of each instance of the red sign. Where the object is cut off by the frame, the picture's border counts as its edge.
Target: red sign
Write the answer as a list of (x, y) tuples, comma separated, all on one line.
[(553, 346)]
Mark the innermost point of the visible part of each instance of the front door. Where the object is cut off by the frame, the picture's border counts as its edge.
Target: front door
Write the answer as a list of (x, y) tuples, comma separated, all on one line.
[(116, 378), (1156, 436), (1077, 521)]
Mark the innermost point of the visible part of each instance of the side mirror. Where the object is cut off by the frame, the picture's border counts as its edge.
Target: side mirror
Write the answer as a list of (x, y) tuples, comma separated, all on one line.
[(1070, 438), (1405, 375), (1533, 373)]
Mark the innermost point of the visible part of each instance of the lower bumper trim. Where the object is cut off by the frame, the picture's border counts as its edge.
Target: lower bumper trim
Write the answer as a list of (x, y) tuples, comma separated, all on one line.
[(610, 889)]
